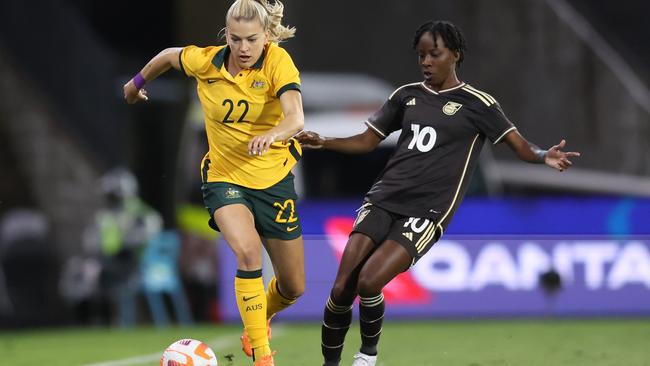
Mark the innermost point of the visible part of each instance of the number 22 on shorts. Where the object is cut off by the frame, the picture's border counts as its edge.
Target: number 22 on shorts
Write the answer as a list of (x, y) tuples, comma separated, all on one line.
[(289, 206)]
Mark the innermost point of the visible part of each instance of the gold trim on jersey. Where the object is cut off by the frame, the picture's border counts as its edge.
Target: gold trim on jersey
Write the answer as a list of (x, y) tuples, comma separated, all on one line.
[(503, 135), (460, 183), (442, 231), (381, 134), (400, 88), (442, 90), (426, 237), (431, 230), (484, 97)]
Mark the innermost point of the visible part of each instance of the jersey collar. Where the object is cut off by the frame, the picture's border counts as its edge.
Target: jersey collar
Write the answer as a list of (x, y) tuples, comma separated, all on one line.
[(220, 57), (462, 84)]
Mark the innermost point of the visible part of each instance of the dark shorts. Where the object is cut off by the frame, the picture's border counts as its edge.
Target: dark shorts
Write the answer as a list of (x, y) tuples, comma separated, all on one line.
[(273, 208), (416, 235)]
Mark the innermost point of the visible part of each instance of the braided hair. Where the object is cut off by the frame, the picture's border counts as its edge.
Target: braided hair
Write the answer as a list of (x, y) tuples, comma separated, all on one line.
[(450, 34)]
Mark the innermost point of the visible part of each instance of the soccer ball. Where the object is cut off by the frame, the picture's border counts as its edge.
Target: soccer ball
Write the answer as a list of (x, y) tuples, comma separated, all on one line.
[(188, 352)]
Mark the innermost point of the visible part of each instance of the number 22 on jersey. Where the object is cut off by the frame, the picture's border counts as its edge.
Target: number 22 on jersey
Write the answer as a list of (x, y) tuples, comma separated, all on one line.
[(231, 106)]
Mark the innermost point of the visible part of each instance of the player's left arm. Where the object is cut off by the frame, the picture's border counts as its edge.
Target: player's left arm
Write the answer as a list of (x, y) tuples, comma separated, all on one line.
[(531, 153), (293, 122)]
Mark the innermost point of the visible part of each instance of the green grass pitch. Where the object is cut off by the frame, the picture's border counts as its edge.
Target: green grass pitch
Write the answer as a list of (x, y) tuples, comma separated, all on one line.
[(463, 343)]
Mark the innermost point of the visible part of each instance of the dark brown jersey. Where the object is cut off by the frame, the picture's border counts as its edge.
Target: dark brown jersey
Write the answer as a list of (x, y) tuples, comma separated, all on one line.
[(441, 136)]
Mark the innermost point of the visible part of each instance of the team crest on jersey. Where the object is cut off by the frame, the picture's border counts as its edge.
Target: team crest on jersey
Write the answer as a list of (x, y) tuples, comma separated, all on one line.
[(258, 84), (232, 193), (451, 108)]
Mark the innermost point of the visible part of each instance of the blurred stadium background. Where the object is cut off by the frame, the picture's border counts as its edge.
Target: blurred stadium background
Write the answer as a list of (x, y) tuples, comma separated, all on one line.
[(569, 252)]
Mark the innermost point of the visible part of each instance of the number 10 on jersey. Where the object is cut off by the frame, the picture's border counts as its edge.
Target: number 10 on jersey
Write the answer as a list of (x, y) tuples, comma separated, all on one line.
[(423, 139)]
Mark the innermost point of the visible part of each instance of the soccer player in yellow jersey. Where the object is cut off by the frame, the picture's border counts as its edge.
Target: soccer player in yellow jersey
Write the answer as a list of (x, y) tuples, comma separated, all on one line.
[(250, 93)]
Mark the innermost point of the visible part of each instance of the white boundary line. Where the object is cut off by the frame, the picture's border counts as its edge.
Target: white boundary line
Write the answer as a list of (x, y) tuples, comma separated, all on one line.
[(217, 343), (224, 341), (138, 360)]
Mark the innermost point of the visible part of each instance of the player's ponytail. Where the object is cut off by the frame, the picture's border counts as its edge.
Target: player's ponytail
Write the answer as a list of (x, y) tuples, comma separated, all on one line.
[(270, 16)]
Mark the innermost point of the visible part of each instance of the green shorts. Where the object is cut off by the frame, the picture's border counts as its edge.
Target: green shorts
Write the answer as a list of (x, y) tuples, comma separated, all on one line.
[(273, 208)]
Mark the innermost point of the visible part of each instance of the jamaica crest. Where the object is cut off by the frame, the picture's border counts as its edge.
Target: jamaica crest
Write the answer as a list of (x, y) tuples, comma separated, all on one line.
[(451, 108)]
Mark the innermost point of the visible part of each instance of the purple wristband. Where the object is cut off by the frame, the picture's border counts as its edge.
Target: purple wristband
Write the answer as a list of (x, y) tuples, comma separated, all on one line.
[(139, 81)]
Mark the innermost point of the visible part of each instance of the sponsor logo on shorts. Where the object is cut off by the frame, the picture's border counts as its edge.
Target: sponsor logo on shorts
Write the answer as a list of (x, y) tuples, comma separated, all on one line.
[(232, 193), (292, 228)]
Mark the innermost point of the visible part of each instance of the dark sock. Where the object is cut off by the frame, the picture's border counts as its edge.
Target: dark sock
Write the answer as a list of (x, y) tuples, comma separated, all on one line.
[(336, 322), (371, 318)]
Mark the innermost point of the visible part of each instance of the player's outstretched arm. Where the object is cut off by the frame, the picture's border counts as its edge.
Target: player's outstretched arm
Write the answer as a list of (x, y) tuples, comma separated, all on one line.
[(293, 122), (531, 153), (357, 144), (166, 59)]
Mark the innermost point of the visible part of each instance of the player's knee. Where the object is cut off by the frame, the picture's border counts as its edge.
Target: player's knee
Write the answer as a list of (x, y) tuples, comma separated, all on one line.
[(368, 285), (342, 294), (249, 258), (293, 291)]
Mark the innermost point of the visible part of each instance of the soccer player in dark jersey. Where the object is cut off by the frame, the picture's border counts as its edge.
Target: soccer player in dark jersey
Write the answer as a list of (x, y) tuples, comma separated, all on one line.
[(443, 123)]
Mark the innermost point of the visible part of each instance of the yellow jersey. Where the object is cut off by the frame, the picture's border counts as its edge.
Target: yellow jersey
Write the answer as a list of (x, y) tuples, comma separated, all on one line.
[(237, 108)]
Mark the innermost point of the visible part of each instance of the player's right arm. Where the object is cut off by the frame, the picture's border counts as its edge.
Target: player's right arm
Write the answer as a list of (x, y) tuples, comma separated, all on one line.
[(357, 144), (381, 124), (162, 62)]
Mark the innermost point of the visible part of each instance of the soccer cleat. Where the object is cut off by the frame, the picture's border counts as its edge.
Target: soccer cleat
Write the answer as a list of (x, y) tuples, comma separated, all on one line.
[(362, 359), (265, 361), (246, 342)]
